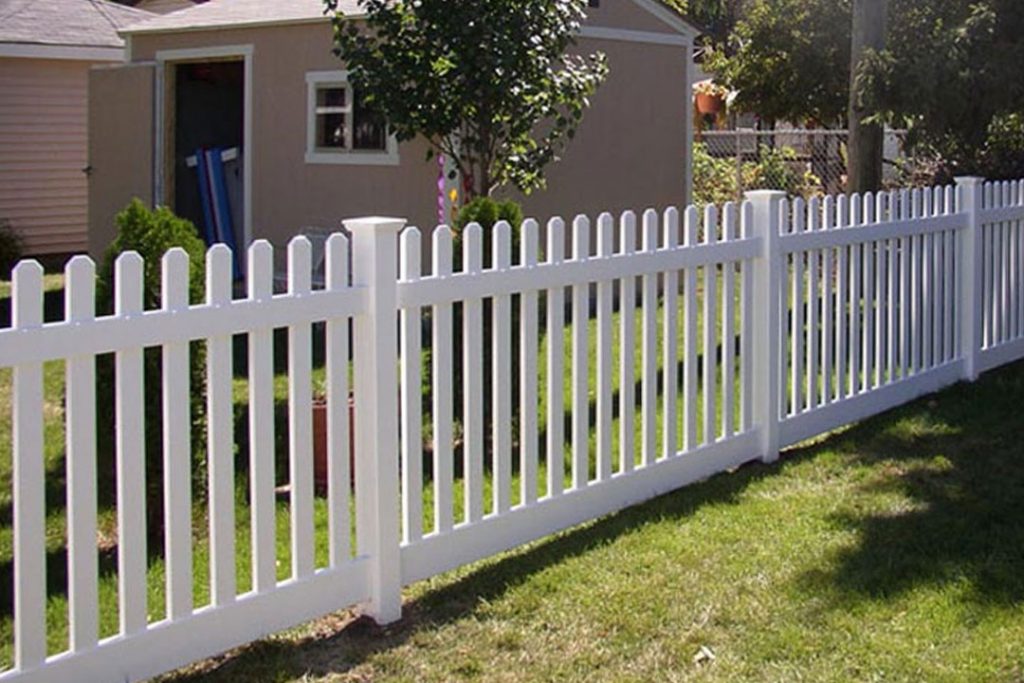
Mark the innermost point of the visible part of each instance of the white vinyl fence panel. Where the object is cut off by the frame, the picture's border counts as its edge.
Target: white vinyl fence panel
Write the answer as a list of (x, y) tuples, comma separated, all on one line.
[(522, 384)]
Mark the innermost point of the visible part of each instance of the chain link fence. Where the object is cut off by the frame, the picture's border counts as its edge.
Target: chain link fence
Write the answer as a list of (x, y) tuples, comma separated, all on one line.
[(728, 163)]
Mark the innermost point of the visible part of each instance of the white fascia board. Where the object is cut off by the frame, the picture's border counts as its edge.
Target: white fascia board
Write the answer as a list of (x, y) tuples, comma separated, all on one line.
[(669, 17), (69, 52), (646, 37)]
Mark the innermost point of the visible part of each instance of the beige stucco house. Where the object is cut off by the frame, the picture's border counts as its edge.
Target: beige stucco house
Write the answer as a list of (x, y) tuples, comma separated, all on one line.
[(258, 76), (46, 50)]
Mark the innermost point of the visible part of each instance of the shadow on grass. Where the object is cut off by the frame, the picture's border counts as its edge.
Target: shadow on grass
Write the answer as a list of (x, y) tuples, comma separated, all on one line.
[(957, 458)]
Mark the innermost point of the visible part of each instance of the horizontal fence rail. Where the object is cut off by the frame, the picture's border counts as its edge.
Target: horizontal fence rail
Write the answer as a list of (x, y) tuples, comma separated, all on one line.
[(258, 460)]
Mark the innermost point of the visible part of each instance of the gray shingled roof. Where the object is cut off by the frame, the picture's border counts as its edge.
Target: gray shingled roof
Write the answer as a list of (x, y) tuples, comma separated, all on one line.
[(224, 13), (78, 23), (220, 13)]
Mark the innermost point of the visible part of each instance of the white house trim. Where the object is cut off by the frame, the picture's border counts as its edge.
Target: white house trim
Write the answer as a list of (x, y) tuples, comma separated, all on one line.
[(647, 37), (245, 52), (221, 25), (341, 157), (668, 16), (71, 52)]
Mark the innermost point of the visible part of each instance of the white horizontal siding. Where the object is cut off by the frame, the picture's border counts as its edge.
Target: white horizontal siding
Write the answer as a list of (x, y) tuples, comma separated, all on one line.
[(43, 149)]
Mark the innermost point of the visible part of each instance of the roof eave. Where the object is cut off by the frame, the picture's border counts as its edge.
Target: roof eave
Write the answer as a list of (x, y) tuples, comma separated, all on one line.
[(141, 29)]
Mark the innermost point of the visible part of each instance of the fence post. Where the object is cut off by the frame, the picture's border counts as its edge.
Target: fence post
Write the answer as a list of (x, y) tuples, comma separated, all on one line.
[(375, 362), (767, 326), (969, 264)]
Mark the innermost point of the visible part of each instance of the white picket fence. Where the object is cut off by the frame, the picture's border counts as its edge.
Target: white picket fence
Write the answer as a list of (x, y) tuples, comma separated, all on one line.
[(741, 331)]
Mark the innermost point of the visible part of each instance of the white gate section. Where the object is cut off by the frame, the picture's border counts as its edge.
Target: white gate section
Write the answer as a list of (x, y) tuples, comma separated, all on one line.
[(498, 397)]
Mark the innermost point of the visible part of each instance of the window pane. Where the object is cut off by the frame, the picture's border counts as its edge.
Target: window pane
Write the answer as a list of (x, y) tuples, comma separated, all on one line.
[(332, 97), (369, 132), (330, 131)]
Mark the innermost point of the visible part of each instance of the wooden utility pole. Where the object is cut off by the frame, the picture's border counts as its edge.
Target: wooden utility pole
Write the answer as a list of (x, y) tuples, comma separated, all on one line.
[(864, 157)]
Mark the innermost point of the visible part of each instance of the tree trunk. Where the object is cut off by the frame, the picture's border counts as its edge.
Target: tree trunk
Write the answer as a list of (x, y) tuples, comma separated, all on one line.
[(865, 147)]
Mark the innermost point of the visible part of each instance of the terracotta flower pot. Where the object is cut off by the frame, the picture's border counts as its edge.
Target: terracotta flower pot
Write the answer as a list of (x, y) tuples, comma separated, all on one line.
[(320, 443), (709, 104)]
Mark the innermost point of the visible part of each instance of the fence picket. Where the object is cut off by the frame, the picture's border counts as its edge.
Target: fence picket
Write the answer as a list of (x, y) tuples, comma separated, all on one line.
[(927, 282), (690, 339), (605, 249), (80, 374), (728, 325), (411, 388), (177, 444), (339, 430), (827, 307), (28, 480), (1018, 227), (472, 378), (710, 389), (798, 333), (856, 274), (1004, 305), (881, 269), (627, 349), (935, 304), (894, 262), (813, 303), (905, 305), (580, 360), (866, 342), (528, 370), (1013, 267), (670, 336), (220, 434), (949, 287), (501, 355), (442, 388), (649, 332), (555, 326), (261, 425), (300, 416), (130, 454), (746, 324), (836, 314)]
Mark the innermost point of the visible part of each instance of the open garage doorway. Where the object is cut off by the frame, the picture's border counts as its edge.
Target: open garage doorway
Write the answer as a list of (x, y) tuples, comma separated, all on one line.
[(205, 161)]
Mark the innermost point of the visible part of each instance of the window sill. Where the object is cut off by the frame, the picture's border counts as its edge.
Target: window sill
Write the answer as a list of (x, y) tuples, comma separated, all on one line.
[(353, 158)]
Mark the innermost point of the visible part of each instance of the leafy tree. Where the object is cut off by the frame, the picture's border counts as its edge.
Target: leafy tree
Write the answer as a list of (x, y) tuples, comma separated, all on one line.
[(789, 60), (487, 83), (954, 76), (716, 18)]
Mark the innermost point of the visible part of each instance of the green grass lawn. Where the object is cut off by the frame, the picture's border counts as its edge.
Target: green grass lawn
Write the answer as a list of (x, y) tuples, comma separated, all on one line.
[(891, 551)]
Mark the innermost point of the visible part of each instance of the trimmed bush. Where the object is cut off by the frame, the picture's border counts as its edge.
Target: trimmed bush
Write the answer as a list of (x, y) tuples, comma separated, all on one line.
[(487, 212), (11, 249), (151, 233)]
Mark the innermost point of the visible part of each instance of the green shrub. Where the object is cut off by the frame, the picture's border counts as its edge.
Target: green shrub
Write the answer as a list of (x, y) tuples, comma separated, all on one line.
[(715, 182), (486, 212), (152, 233), (11, 249), (714, 179)]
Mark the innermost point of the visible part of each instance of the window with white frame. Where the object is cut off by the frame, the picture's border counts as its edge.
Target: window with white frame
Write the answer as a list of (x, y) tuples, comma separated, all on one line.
[(342, 128)]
